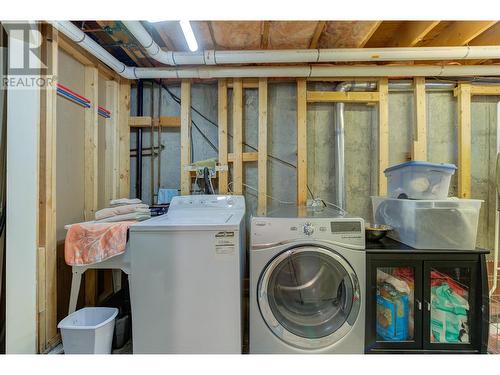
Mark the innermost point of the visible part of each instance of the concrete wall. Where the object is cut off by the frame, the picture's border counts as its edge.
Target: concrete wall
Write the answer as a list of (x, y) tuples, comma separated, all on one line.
[(361, 142)]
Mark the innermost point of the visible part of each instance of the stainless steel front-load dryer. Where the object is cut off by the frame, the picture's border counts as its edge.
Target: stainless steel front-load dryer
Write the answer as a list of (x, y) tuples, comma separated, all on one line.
[(307, 282)]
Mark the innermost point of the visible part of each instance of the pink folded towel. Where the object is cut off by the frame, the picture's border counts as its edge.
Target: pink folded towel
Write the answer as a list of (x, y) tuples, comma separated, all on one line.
[(88, 243)]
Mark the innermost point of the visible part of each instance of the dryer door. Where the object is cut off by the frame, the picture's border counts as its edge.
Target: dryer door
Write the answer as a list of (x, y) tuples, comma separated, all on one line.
[(309, 296)]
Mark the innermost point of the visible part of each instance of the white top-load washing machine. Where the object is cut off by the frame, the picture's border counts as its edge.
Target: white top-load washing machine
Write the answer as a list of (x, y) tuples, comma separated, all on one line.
[(187, 268), (307, 282)]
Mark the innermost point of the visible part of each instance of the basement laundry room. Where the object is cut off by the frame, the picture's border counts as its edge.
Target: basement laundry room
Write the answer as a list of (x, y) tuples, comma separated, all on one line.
[(250, 187)]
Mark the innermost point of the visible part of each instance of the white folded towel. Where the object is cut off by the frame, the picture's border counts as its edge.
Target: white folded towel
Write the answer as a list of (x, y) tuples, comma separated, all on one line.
[(121, 210), (124, 201), (138, 216)]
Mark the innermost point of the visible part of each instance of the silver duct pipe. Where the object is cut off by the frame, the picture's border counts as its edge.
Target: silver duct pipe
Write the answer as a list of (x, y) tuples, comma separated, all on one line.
[(339, 125)]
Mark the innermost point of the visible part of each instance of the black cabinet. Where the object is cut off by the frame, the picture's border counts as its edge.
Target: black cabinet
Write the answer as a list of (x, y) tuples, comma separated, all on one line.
[(423, 301)]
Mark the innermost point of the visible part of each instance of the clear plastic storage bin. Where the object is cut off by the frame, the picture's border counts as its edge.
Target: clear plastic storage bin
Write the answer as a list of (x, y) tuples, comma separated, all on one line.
[(88, 330), (419, 180), (430, 224)]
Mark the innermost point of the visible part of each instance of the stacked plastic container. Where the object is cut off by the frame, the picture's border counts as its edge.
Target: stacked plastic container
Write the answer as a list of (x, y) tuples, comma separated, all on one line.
[(420, 212)]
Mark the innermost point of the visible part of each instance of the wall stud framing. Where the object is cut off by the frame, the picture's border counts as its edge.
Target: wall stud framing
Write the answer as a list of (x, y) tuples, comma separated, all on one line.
[(301, 142), (185, 136), (123, 114), (222, 120), (112, 141), (238, 136), (464, 140), (262, 153), (419, 151), (383, 134)]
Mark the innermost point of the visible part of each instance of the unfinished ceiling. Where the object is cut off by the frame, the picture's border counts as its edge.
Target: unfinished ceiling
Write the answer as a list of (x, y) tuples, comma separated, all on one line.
[(250, 35)]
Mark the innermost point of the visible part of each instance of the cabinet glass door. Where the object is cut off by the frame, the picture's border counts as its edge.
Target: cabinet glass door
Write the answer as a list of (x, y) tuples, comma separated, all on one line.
[(449, 302), (395, 304)]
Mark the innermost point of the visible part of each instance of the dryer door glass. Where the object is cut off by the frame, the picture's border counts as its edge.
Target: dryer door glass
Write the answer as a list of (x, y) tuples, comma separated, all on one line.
[(310, 293)]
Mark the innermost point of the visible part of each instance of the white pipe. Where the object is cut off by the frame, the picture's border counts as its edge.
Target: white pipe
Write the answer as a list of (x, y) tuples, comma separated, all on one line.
[(210, 57), (75, 34), (497, 213)]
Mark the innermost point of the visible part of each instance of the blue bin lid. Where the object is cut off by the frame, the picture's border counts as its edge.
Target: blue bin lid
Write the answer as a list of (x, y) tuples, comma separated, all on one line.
[(416, 163)]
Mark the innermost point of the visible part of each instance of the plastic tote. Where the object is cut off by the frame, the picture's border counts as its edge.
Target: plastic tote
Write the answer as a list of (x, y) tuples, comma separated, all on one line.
[(419, 180), (430, 224), (88, 330)]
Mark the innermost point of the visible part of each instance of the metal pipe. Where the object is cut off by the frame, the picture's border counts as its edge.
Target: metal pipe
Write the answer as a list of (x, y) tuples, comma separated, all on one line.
[(140, 112)]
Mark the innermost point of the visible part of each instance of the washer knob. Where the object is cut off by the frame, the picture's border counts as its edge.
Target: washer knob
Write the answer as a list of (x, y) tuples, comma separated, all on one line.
[(308, 229)]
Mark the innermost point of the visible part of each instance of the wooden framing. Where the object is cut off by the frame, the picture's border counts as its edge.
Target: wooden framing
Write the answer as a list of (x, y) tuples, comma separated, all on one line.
[(301, 142), (383, 134), (341, 96), (464, 140), (112, 139), (185, 136), (419, 150), (148, 121), (123, 114), (47, 240), (262, 153), (238, 137), (222, 117)]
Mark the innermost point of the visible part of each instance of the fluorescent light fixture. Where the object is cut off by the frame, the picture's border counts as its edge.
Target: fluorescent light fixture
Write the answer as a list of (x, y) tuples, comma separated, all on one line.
[(189, 35)]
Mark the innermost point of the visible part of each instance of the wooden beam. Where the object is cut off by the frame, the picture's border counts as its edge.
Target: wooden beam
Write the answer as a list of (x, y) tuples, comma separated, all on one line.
[(91, 169), (112, 151), (262, 153), (248, 83), (238, 136), (485, 90), (464, 140), (412, 33), (124, 141), (320, 27), (369, 34), (459, 33), (340, 96), (148, 121), (168, 121), (419, 151), (301, 142), (383, 135), (222, 120), (245, 157), (264, 38), (490, 37), (185, 136), (140, 121), (47, 254)]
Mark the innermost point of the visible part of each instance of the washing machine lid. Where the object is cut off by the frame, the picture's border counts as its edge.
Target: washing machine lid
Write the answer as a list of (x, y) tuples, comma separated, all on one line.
[(309, 296)]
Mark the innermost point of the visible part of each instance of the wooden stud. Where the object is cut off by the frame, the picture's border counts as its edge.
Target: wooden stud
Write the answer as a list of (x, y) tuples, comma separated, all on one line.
[(412, 32), (168, 121), (238, 136), (341, 96), (301, 142), (419, 151), (123, 114), (262, 153), (264, 38), (222, 120), (320, 27), (246, 157), (91, 169), (459, 33), (383, 134), (148, 121), (464, 140), (112, 141), (493, 90), (185, 136), (140, 121), (369, 34)]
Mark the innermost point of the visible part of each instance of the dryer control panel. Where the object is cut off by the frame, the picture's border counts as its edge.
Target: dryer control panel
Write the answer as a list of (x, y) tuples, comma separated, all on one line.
[(347, 232)]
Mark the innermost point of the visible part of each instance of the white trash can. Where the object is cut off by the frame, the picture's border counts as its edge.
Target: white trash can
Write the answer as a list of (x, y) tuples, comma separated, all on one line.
[(88, 330)]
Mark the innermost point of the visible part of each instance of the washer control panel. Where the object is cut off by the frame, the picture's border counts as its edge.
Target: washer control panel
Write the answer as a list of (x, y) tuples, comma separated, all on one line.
[(349, 232)]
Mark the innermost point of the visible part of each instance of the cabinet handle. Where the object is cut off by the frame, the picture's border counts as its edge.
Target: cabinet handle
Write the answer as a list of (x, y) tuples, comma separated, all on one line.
[(428, 305), (419, 304)]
